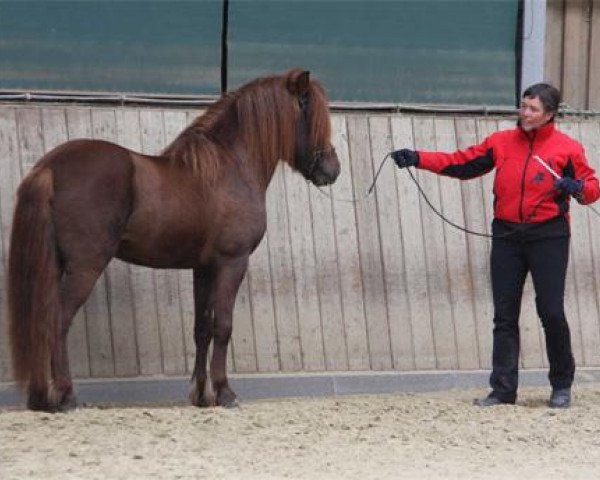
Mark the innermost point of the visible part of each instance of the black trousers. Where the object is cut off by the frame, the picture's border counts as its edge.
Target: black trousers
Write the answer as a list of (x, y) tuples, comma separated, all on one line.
[(511, 259)]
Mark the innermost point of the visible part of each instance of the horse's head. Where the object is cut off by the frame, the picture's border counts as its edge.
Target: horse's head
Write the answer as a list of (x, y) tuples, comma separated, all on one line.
[(314, 155)]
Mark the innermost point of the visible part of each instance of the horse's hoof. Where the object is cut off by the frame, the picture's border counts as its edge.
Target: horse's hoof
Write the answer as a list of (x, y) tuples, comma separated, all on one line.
[(201, 401), (39, 402), (68, 403), (232, 404), (227, 399), (204, 402), (62, 399)]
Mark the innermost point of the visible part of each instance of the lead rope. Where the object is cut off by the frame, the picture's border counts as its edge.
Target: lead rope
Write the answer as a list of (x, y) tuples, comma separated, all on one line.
[(433, 208), (450, 222), (594, 210), (363, 197), (480, 234)]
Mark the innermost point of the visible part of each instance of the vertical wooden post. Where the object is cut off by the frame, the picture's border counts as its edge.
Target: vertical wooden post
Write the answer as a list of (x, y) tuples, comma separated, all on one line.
[(224, 27)]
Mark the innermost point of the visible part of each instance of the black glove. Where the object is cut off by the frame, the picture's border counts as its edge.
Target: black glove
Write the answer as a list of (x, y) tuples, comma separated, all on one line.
[(405, 158), (570, 185)]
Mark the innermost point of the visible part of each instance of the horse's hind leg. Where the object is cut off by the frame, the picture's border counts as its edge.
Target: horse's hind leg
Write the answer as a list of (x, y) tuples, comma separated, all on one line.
[(227, 283), (203, 332), (75, 288)]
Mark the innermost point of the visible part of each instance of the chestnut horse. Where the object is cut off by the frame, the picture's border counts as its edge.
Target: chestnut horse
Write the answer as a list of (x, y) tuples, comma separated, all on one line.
[(199, 205)]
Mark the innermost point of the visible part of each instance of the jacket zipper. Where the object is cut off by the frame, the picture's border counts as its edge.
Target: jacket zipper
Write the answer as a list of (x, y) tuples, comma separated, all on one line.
[(521, 216)]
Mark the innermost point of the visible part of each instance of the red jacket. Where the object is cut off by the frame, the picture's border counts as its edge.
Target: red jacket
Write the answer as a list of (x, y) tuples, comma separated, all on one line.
[(524, 190)]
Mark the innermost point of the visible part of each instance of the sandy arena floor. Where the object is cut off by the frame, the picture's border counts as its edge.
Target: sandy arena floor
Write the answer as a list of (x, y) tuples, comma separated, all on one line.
[(404, 436)]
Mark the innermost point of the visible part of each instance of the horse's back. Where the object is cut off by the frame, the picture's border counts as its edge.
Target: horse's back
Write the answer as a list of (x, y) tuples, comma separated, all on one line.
[(81, 154)]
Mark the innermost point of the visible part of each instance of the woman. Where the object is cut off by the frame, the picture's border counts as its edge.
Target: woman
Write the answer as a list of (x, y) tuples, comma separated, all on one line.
[(530, 231)]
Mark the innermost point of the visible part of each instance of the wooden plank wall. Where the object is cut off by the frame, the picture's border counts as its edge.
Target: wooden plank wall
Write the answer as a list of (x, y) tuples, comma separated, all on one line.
[(380, 284), (572, 53)]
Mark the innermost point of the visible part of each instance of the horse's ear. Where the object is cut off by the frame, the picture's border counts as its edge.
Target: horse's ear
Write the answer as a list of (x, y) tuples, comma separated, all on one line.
[(298, 81)]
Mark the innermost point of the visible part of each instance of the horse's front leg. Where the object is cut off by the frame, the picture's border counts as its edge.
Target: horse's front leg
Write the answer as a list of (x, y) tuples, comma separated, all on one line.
[(203, 333), (227, 284)]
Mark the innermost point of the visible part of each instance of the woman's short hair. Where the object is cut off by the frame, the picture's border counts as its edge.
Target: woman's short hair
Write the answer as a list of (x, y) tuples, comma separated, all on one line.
[(548, 95)]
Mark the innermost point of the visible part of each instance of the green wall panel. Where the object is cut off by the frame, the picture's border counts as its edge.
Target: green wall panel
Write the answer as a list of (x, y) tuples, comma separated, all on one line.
[(443, 51), (426, 51), (125, 46)]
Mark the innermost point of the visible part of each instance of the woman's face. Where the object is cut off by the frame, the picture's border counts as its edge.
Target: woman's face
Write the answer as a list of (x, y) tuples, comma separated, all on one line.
[(532, 114)]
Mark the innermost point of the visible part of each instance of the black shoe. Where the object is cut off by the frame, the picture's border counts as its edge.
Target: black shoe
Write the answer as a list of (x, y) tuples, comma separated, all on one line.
[(491, 401), (560, 398)]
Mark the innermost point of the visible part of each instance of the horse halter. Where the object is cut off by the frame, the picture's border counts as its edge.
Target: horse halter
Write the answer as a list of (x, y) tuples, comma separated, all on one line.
[(318, 154)]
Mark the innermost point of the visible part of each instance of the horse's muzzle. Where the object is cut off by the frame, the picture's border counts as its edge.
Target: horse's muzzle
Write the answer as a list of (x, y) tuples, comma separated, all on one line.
[(326, 167)]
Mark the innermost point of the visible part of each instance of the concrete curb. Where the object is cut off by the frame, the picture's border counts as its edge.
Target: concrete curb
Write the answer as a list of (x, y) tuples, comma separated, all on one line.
[(260, 386)]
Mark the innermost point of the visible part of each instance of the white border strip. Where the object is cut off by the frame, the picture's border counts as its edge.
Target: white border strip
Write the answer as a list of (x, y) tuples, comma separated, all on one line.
[(534, 38)]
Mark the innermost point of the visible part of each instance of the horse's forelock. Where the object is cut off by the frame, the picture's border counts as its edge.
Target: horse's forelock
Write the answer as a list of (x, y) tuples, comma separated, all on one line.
[(320, 128)]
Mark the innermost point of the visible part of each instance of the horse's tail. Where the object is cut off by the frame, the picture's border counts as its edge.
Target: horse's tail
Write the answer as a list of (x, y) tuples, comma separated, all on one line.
[(33, 281)]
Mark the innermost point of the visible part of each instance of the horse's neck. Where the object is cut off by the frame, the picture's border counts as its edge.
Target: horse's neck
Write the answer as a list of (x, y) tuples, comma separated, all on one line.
[(257, 169), (213, 145), (257, 176)]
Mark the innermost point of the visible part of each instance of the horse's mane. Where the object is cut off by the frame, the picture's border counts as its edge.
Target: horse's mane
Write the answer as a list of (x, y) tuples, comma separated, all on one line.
[(260, 118)]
